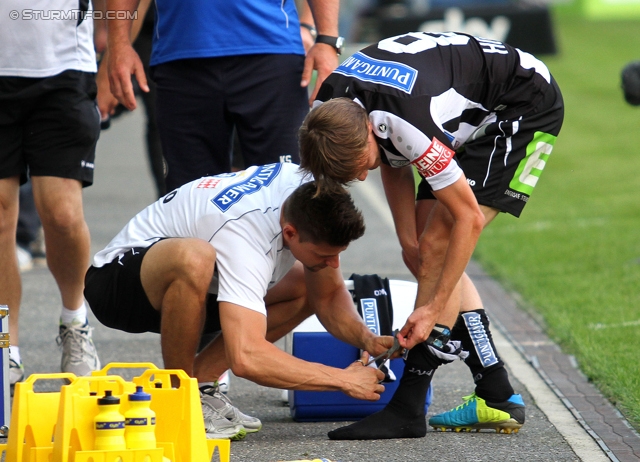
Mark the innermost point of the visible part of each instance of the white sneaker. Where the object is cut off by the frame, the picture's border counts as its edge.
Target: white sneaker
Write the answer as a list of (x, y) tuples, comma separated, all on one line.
[(25, 262), (224, 382), (16, 372), (218, 426), (79, 355), (222, 404)]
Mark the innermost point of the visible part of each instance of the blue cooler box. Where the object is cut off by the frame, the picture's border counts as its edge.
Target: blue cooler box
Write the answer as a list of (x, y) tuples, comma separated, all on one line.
[(311, 342)]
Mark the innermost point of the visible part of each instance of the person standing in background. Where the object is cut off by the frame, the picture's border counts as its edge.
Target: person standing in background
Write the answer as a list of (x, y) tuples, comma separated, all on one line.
[(49, 127), (142, 36), (225, 65)]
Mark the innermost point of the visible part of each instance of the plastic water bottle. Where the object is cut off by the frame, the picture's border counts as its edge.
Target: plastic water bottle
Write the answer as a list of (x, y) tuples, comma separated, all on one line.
[(140, 422), (109, 424)]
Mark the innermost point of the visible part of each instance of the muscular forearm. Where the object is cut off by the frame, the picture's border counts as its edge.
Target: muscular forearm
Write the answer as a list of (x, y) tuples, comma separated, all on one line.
[(399, 187), (272, 367), (332, 303), (120, 29), (251, 356), (340, 318), (464, 237), (325, 16), (321, 57), (448, 244)]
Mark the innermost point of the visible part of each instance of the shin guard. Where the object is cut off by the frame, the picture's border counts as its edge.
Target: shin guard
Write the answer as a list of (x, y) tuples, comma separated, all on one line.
[(489, 373)]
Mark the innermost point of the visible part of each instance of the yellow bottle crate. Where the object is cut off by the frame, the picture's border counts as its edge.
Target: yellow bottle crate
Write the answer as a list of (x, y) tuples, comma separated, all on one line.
[(58, 426)]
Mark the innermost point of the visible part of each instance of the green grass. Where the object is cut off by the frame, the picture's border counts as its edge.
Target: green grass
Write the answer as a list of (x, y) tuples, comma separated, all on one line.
[(574, 255)]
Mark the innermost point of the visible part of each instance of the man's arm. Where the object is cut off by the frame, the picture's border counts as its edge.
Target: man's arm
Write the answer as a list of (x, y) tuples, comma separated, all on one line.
[(251, 356), (321, 57), (306, 22), (105, 99), (333, 305), (446, 247), (399, 187), (122, 60)]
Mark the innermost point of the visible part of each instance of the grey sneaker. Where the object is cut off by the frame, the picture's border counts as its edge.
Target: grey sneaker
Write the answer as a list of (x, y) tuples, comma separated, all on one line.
[(79, 355), (16, 372), (217, 400), (218, 426)]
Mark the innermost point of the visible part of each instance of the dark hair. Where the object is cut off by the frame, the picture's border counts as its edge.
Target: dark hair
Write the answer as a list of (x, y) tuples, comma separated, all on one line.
[(333, 138), (324, 217)]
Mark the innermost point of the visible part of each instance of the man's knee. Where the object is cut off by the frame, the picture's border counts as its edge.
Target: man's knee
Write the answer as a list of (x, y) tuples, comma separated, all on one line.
[(197, 261), (62, 219), (186, 264), (9, 206)]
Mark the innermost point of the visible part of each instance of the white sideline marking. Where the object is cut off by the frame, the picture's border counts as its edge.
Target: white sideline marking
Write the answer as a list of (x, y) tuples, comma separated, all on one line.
[(599, 325), (560, 417)]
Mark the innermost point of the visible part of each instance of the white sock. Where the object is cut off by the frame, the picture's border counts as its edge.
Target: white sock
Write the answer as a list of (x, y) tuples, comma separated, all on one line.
[(14, 353), (78, 316)]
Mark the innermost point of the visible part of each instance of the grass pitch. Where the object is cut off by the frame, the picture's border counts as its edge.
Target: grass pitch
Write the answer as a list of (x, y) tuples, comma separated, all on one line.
[(574, 255)]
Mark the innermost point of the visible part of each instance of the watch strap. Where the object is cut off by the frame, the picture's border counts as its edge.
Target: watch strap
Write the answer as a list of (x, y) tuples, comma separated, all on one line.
[(335, 42)]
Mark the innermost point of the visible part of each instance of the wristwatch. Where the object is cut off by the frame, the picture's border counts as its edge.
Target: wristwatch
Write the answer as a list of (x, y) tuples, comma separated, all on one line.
[(335, 42), (312, 30)]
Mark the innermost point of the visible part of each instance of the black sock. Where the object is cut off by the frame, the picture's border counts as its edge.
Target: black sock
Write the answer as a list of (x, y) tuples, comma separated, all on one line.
[(489, 374), (404, 416)]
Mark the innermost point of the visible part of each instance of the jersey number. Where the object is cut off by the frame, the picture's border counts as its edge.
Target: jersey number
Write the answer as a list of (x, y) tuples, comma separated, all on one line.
[(416, 42)]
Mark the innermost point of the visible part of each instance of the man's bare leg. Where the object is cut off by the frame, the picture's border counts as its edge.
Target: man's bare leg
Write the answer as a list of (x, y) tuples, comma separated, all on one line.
[(175, 275), (10, 281), (59, 204)]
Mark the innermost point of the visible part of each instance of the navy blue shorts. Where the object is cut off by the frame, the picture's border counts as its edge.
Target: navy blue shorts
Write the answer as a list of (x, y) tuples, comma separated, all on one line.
[(503, 166), (49, 126), (200, 101), (118, 300)]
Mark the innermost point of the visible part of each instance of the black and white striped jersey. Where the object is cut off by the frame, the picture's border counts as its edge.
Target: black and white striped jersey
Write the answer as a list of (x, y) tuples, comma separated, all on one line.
[(427, 94)]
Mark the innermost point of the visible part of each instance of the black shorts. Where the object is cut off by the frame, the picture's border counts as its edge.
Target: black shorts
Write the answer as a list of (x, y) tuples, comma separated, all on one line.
[(200, 102), (503, 166), (49, 126), (116, 297)]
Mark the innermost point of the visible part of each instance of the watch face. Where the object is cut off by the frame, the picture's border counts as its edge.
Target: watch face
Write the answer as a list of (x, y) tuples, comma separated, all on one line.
[(339, 43)]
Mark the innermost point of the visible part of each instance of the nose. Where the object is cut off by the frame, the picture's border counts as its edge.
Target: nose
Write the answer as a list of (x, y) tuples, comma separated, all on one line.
[(363, 175), (333, 262)]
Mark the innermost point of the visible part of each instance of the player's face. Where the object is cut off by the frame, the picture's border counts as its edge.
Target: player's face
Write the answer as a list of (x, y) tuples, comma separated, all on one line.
[(315, 257), (370, 158)]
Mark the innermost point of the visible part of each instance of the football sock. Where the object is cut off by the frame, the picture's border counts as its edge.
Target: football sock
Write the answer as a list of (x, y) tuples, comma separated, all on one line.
[(404, 416), (489, 374)]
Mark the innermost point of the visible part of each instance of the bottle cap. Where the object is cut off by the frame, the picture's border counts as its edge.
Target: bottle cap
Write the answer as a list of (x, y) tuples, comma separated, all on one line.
[(139, 395), (108, 398)]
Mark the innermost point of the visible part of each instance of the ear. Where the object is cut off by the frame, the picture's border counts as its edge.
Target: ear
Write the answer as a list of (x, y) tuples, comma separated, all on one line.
[(289, 232)]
